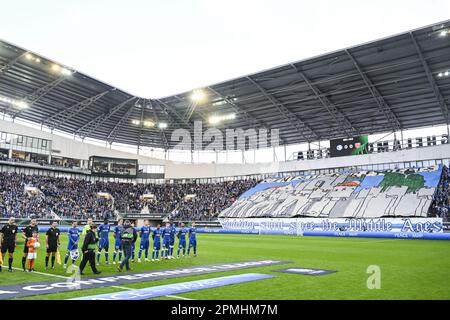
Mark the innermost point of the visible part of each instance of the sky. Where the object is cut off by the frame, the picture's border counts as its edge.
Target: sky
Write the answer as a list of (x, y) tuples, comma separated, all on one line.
[(159, 48)]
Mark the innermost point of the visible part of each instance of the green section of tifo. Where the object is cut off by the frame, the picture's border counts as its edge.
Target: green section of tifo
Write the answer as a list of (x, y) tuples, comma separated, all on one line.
[(413, 181)]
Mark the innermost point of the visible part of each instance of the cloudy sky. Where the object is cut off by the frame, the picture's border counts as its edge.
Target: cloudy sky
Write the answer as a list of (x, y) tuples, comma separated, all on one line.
[(157, 48)]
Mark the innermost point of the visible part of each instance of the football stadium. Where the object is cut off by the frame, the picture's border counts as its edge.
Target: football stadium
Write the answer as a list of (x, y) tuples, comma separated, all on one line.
[(323, 178)]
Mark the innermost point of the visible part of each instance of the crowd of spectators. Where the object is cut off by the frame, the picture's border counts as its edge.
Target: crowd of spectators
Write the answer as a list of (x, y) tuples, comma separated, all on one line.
[(210, 199), (79, 199), (440, 205)]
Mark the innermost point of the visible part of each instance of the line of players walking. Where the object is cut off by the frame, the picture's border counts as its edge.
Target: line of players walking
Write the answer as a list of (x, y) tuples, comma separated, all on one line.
[(125, 242)]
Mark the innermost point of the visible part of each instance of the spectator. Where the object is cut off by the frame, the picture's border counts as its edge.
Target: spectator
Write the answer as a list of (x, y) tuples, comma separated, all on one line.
[(78, 199)]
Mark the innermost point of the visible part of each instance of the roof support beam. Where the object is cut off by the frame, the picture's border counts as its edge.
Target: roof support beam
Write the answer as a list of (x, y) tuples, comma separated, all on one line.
[(35, 96), (58, 119), (6, 67), (251, 120), (339, 118), (383, 106), (115, 130), (92, 125), (141, 123), (161, 130), (175, 112), (437, 93), (293, 119), (191, 108), (192, 105)]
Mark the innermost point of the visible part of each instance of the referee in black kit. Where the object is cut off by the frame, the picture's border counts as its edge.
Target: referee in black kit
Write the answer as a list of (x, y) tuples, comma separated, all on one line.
[(52, 243), (88, 249), (8, 237), (27, 233)]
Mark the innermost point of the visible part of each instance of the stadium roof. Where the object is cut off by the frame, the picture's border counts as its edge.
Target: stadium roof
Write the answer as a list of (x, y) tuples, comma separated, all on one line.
[(395, 83)]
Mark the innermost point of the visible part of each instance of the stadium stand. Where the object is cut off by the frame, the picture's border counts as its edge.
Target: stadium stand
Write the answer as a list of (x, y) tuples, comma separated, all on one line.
[(44, 197), (418, 192), (54, 122)]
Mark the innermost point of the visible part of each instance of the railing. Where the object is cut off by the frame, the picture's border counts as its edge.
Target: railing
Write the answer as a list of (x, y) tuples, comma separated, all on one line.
[(43, 165), (140, 215), (378, 147)]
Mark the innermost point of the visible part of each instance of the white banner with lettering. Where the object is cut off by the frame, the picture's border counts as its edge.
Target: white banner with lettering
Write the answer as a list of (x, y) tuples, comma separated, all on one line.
[(300, 225)]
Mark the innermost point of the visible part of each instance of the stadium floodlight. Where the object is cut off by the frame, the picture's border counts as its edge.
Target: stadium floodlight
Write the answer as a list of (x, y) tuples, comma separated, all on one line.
[(162, 125), (66, 72), (446, 73), (29, 56), (219, 118), (440, 74), (135, 122), (19, 104), (197, 95), (443, 33), (149, 123), (56, 68)]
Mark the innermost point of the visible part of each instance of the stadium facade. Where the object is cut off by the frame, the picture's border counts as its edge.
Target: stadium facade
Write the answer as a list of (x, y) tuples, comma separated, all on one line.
[(58, 122)]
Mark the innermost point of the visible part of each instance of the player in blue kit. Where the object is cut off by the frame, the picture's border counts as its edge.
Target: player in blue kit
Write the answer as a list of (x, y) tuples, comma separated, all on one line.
[(173, 230), (72, 246), (117, 247), (145, 240), (103, 235), (182, 240), (192, 239), (166, 241), (156, 242)]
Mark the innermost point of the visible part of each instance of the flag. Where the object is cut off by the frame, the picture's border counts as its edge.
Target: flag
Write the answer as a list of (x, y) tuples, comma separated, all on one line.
[(58, 257)]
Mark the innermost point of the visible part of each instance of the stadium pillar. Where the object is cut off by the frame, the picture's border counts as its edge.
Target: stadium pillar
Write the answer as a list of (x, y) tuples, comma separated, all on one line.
[(401, 137)]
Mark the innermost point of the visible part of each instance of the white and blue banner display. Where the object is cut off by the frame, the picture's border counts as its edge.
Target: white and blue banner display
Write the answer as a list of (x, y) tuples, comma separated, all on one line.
[(419, 228), (176, 288), (299, 225)]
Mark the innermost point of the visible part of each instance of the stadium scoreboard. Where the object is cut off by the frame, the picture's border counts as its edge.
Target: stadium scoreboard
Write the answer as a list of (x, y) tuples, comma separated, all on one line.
[(113, 167)]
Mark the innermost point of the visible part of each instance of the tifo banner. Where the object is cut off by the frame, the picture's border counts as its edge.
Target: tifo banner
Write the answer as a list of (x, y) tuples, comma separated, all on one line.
[(349, 146), (298, 226)]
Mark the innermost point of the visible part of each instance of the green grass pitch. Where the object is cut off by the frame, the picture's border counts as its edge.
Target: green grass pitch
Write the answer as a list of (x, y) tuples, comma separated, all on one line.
[(410, 269)]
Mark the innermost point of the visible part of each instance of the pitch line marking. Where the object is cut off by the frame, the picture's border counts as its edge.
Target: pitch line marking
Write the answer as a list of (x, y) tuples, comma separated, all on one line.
[(120, 287), (43, 273), (178, 297)]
